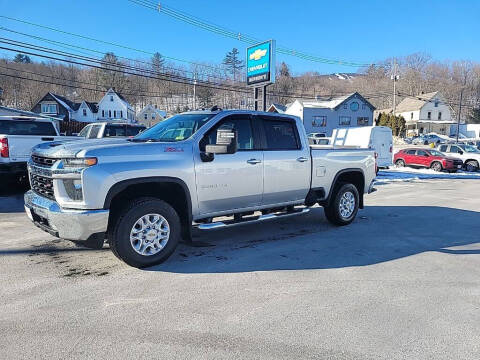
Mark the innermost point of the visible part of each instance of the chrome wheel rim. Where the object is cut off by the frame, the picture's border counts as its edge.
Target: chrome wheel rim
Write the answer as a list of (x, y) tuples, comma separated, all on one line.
[(437, 167), (149, 234), (347, 205)]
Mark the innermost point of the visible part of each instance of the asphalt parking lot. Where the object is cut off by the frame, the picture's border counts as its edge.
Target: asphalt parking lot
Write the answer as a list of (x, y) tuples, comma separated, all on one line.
[(401, 282)]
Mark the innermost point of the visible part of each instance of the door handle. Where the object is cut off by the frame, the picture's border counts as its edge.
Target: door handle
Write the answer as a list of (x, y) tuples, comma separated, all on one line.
[(254, 161), (302, 159)]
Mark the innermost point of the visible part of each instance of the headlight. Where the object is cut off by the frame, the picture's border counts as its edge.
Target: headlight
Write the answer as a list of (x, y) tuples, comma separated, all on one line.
[(79, 162)]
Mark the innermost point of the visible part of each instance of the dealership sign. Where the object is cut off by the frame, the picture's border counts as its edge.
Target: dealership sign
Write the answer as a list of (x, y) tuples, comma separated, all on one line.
[(261, 64)]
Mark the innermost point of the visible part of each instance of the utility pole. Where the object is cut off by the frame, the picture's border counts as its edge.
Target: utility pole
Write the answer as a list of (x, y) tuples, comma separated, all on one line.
[(395, 78), (459, 112), (194, 91)]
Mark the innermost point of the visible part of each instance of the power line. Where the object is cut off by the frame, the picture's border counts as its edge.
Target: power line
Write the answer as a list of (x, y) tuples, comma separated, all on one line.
[(219, 30), (107, 42)]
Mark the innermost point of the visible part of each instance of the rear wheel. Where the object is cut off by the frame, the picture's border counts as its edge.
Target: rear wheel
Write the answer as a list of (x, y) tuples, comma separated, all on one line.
[(344, 206), (400, 163), (471, 165), (436, 166), (145, 233)]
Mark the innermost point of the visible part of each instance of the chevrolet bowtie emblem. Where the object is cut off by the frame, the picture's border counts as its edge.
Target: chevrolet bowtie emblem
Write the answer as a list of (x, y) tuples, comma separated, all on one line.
[(258, 54)]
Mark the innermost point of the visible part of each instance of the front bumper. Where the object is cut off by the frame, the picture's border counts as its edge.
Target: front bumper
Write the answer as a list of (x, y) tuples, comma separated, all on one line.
[(64, 223)]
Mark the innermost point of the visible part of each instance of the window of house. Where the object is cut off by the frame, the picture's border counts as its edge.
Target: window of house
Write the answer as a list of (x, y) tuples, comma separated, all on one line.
[(114, 113), (319, 121), (280, 135), (84, 112), (411, 116), (145, 116), (345, 105), (439, 115), (121, 114), (436, 103), (49, 108), (103, 113), (364, 106), (362, 121), (111, 97), (344, 120), (109, 113), (429, 115)]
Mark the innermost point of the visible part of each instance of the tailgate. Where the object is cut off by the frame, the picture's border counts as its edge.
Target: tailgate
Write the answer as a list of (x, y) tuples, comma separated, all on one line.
[(20, 146)]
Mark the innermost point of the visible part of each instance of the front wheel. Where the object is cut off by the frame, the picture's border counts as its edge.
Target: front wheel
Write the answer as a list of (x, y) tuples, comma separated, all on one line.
[(344, 206), (436, 166), (145, 232), (471, 166)]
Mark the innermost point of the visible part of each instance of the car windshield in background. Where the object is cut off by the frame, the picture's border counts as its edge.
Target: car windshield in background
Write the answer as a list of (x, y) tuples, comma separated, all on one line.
[(470, 149), (26, 127), (436, 153), (176, 128)]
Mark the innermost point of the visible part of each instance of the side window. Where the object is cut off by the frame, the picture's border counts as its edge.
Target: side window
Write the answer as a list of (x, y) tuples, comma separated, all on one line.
[(410, 152), (84, 131), (114, 130), (94, 132), (280, 135), (443, 148), (421, 153), (243, 126), (455, 149)]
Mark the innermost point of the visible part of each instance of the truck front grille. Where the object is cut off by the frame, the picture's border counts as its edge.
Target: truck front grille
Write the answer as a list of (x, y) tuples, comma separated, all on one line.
[(42, 185), (43, 161)]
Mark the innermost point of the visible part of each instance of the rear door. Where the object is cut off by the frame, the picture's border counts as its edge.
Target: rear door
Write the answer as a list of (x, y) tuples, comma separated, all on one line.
[(231, 181), (382, 143), (23, 135), (287, 161), (409, 157)]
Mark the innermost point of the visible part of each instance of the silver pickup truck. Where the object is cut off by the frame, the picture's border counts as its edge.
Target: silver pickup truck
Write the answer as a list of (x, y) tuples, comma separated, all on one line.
[(204, 169)]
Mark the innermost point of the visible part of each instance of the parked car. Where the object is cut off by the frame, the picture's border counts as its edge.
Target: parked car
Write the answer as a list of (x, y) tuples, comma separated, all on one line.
[(378, 138), (469, 154), (315, 137), (427, 158), (428, 139), (18, 135), (145, 193), (101, 130)]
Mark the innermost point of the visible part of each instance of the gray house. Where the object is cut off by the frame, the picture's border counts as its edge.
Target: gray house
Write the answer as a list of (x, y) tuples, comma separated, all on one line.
[(325, 114)]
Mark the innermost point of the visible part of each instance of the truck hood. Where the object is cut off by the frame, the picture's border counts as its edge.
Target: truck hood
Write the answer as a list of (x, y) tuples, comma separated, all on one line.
[(59, 149)]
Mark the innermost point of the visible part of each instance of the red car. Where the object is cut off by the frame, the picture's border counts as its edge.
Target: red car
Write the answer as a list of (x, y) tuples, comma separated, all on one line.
[(429, 158)]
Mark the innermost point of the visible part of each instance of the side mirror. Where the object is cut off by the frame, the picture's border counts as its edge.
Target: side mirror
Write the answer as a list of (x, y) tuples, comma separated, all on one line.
[(227, 142), (460, 152)]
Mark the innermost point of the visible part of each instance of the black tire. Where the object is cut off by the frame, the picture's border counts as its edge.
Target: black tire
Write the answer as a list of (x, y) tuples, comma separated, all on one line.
[(400, 163), (119, 233), (436, 166), (471, 166), (332, 211)]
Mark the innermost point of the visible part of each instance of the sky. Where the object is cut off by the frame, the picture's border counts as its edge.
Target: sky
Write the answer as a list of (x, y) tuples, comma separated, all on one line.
[(355, 31)]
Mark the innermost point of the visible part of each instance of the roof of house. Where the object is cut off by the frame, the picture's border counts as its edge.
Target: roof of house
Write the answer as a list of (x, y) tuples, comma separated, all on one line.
[(8, 110), (93, 106), (278, 107), (332, 102), (415, 103)]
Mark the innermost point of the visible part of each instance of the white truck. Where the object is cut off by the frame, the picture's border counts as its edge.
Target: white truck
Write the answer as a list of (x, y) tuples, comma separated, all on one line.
[(18, 135), (207, 169), (113, 129)]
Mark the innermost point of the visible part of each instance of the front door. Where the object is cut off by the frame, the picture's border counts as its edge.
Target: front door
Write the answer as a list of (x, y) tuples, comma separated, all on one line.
[(422, 158), (231, 181)]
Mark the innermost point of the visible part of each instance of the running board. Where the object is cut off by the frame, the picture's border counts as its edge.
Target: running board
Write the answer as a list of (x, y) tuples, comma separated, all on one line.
[(249, 220)]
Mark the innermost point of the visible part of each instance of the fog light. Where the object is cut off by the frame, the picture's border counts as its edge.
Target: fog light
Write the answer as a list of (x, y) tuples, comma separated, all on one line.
[(73, 189)]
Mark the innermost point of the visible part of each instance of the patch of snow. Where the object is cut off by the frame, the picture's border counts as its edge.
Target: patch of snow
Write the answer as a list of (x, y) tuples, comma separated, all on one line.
[(410, 174)]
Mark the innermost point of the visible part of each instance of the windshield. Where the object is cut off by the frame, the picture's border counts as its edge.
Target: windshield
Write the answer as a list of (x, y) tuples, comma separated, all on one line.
[(470, 149), (176, 128), (436, 153)]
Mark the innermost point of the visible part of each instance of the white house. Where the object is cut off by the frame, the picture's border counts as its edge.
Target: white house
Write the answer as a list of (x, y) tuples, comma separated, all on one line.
[(85, 112), (325, 114), (426, 113), (150, 115), (114, 107)]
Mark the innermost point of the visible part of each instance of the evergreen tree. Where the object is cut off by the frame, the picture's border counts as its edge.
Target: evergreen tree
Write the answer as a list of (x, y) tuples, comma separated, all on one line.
[(233, 63), (22, 59), (158, 62), (474, 117)]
